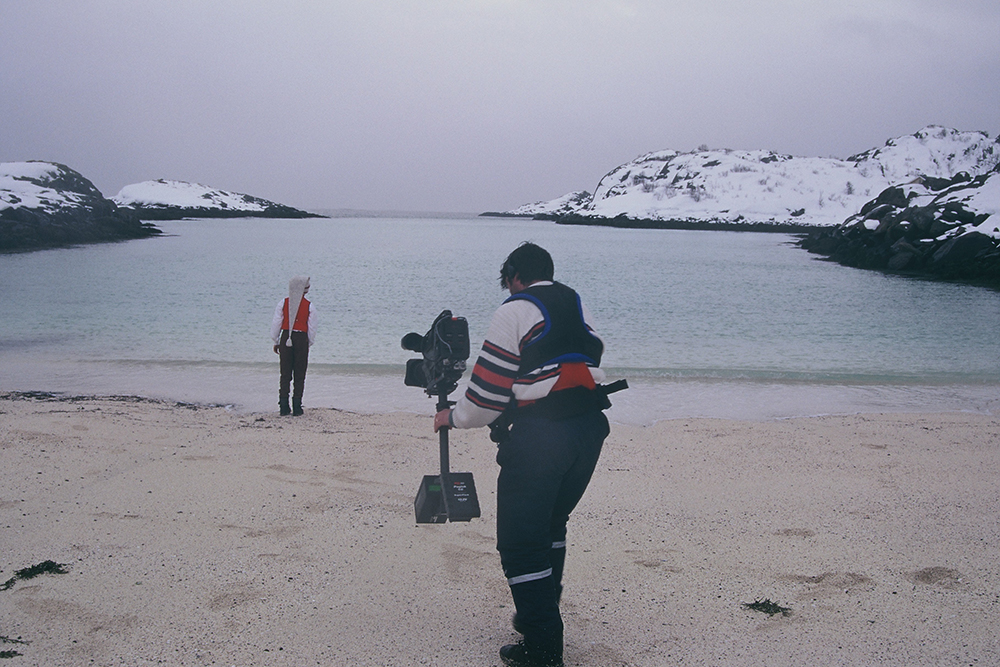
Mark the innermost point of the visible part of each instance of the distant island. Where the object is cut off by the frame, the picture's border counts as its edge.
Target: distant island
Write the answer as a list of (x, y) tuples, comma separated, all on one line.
[(173, 200), (49, 205), (926, 204)]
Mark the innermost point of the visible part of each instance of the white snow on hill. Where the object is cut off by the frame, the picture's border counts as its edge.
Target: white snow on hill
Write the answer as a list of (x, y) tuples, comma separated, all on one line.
[(40, 185), (565, 204), (163, 193), (762, 186)]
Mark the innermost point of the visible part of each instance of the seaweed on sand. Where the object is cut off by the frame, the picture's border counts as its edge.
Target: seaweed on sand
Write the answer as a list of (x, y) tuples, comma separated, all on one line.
[(45, 567), (8, 640), (768, 607)]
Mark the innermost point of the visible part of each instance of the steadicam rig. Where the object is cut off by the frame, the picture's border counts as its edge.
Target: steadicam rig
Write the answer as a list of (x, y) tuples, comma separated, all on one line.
[(444, 349)]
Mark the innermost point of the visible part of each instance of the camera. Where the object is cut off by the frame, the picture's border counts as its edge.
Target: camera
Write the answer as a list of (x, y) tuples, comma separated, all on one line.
[(445, 349)]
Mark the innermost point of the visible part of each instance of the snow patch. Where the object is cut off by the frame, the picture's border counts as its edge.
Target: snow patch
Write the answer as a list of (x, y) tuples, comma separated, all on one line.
[(25, 185)]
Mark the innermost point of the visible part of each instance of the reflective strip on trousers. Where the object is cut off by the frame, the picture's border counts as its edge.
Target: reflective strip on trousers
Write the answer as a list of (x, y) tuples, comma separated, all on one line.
[(534, 576)]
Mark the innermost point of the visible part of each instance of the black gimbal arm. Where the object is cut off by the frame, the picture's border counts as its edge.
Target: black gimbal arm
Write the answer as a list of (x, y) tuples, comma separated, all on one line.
[(443, 404)]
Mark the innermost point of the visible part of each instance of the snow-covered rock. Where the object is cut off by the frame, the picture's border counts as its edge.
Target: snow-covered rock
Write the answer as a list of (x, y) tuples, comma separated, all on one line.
[(171, 200), (945, 228), (564, 205), (46, 205), (730, 187)]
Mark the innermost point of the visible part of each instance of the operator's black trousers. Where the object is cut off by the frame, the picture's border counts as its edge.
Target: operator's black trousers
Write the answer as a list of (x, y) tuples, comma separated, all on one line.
[(545, 467), (294, 361)]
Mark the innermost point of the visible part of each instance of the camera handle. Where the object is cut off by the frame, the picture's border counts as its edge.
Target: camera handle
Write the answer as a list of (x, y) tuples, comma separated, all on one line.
[(443, 404)]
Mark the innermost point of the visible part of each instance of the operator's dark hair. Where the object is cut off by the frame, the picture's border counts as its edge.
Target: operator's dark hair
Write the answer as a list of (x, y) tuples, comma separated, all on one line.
[(529, 263)]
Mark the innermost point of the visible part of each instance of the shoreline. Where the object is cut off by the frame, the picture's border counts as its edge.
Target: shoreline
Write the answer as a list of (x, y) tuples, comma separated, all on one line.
[(647, 401), (623, 221), (196, 535)]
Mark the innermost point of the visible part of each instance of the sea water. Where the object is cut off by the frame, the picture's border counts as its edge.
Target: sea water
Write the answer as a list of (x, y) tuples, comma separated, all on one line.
[(716, 324)]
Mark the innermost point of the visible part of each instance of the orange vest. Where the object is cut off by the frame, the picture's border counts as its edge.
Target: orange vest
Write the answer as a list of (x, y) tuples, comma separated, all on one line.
[(301, 317)]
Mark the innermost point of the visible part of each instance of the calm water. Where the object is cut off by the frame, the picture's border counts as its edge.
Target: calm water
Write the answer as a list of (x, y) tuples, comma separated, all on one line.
[(702, 323)]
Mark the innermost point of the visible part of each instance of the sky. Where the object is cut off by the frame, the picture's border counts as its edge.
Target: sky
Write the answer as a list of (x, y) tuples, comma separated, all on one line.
[(472, 105)]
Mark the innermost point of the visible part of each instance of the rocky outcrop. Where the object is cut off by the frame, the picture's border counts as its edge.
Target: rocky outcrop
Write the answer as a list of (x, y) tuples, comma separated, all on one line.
[(164, 199), (738, 224), (931, 227), (49, 205)]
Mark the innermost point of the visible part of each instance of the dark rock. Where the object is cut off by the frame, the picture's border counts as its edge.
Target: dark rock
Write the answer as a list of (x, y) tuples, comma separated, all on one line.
[(166, 212), (936, 238), (739, 225), (900, 260), (962, 249), (894, 197), (78, 214)]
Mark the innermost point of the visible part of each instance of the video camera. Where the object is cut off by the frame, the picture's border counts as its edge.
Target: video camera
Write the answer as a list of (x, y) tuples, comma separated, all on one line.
[(445, 349), (450, 496)]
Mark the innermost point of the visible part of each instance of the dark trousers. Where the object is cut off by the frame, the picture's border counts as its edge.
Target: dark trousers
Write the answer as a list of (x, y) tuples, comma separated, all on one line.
[(294, 360), (545, 467)]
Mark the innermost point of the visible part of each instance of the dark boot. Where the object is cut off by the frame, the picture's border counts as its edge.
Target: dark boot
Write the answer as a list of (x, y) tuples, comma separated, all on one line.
[(522, 655), (296, 407), (537, 618), (283, 408)]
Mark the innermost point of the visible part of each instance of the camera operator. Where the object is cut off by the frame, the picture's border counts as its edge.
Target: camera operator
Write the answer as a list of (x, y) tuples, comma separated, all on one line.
[(538, 373)]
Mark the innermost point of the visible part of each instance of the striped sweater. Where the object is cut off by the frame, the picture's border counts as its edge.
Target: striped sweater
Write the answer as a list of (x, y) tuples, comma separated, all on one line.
[(495, 383)]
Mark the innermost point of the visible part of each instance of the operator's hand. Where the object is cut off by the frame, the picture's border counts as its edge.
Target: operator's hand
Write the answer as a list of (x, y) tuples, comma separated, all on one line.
[(276, 349), (441, 420)]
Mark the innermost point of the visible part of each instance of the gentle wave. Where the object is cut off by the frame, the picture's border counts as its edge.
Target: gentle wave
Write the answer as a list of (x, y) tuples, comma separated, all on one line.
[(651, 375), (252, 387)]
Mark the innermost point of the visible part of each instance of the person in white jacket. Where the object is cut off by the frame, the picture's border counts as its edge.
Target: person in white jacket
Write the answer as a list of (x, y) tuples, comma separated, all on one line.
[(292, 338)]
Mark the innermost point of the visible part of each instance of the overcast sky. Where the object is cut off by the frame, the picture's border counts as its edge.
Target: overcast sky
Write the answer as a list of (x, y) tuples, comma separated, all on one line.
[(472, 105)]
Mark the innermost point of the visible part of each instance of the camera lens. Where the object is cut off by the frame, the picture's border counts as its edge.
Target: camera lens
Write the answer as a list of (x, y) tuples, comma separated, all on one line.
[(413, 342)]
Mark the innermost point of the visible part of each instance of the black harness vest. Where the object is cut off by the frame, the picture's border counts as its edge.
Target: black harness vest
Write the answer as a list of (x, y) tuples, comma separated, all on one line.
[(565, 338)]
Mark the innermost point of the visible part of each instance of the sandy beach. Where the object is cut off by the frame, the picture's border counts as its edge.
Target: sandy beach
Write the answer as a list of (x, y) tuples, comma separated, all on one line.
[(195, 535)]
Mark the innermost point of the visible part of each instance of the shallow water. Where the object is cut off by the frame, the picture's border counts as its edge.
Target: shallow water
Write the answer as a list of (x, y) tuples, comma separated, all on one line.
[(718, 324)]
